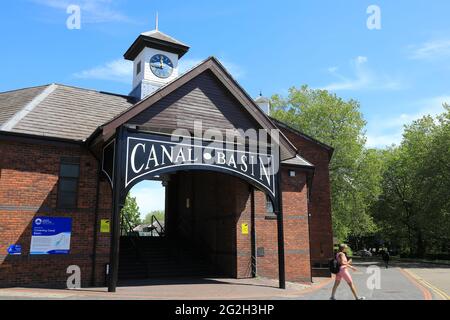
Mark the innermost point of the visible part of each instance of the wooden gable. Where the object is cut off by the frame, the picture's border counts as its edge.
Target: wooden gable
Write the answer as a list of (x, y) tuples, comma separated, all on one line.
[(206, 92), (204, 99)]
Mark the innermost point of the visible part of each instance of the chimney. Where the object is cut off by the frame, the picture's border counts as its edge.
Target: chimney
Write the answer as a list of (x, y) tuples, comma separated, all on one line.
[(263, 103)]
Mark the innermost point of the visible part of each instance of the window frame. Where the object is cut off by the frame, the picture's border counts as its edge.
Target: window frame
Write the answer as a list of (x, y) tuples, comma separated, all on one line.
[(269, 214), (138, 68), (68, 161)]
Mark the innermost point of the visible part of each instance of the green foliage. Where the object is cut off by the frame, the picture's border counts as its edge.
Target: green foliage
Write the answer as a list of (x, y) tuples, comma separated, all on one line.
[(399, 194), (130, 211), (159, 214), (414, 209), (354, 171), (349, 252)]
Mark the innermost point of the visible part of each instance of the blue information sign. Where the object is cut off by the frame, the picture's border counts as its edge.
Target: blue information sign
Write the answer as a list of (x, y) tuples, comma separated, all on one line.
[(15, 250), (51, 235)]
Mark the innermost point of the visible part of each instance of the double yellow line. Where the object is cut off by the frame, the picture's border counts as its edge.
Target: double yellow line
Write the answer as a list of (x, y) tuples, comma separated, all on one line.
[(436, 290)]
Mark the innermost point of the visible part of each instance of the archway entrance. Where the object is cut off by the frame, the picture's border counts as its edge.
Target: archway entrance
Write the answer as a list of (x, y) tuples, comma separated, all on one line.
[(134, 156), (199, 236)]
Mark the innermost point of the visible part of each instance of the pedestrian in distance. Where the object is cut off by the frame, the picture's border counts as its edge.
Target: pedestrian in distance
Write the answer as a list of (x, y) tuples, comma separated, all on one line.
[(344, 265), (385, 256)]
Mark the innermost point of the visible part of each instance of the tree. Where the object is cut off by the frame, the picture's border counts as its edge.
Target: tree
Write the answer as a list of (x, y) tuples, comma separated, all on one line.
[(130, 211), (339, 124), (159, 214), (415, 208)]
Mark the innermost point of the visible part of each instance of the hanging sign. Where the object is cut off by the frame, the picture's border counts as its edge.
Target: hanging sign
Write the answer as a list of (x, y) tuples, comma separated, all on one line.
[(51, 235), (152, 155)]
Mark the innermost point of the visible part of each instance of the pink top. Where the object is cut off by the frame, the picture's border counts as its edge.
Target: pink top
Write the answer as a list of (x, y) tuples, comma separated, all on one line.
[(343, 261)]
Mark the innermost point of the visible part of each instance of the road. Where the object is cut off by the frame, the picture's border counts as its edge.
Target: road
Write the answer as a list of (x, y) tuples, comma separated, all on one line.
[(434, 277), (401, 281)]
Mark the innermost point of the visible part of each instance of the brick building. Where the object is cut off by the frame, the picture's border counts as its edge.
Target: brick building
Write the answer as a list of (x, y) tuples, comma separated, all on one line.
[(67, 152)]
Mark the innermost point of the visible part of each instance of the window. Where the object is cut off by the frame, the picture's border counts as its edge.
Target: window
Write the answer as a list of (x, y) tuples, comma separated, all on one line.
[(269, 206), (69, 173), (138, 68)]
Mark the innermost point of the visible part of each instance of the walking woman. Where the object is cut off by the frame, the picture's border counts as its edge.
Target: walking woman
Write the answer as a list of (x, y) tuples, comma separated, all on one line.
[(344, 273)]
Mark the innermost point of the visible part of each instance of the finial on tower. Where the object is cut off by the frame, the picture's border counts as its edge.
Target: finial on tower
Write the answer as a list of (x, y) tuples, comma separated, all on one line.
[(157, 22)]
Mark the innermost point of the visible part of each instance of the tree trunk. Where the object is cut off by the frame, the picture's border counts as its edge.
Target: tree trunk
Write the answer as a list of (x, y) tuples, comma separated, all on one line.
[(420, 249)]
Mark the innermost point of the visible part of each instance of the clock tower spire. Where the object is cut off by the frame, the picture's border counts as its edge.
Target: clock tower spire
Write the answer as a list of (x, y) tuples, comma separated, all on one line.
[(155, 57)]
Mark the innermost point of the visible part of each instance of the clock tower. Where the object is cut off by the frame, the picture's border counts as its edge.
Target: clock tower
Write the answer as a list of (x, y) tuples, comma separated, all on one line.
[(155, 57)]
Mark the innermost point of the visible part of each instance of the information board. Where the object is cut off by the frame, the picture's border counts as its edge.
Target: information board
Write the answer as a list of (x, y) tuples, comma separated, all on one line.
[(51, 235)]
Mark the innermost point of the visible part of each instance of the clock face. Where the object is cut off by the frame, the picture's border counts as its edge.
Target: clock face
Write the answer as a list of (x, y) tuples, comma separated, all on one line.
[(161, 66)]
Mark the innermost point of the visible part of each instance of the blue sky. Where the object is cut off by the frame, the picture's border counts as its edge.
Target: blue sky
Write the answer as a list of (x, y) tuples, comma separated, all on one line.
[(398, 73)]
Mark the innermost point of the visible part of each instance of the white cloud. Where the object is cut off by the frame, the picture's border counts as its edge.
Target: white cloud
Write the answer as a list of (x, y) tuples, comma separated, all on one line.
[(150, 196), (234, 69), (386, 131), (362, 79), (119, 70), (187, 64), (431, 50), (92, 11), (381, 141)]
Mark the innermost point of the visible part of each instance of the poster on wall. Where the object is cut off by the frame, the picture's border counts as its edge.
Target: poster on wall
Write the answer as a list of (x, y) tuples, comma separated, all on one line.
[(51, 235)]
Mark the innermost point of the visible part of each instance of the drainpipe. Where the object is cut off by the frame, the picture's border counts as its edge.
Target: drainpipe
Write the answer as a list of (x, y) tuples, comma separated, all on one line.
[(94, 248)]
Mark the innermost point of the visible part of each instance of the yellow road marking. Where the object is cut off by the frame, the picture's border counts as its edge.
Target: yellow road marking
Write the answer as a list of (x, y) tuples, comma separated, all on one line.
[(436, 290)]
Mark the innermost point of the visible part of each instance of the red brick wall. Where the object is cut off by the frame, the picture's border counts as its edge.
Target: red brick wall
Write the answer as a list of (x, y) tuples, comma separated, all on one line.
[(321, 234), (221, 204), (28, 188), (296, 233)]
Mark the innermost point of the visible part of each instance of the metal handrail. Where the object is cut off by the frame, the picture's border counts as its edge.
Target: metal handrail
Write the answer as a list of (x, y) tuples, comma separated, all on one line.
[(128, 223), (134, 241), (154, 219)]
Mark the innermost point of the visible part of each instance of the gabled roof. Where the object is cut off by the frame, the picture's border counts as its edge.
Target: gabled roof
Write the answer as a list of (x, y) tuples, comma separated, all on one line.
[(58, 111), (307, 137), (77, 114), (158, 40), (212, 64), (298, 161), (156, 34)]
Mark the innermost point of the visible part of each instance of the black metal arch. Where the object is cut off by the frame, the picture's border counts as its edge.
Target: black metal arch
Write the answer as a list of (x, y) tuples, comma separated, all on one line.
[(116, 167), (194, 167)]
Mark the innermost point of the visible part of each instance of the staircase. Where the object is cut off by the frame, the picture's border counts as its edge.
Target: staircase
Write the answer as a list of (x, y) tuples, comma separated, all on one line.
[(152, 257)]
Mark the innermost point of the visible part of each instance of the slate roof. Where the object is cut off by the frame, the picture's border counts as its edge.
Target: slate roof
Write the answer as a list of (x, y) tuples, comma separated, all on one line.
[(59, 111), (298, 161), (162, 36), (158, 40), (13, 101), (67, 112)]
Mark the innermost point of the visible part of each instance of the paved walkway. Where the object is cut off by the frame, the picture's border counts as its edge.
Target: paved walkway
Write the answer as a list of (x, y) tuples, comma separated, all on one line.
[(400, 282), (169, 289)]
